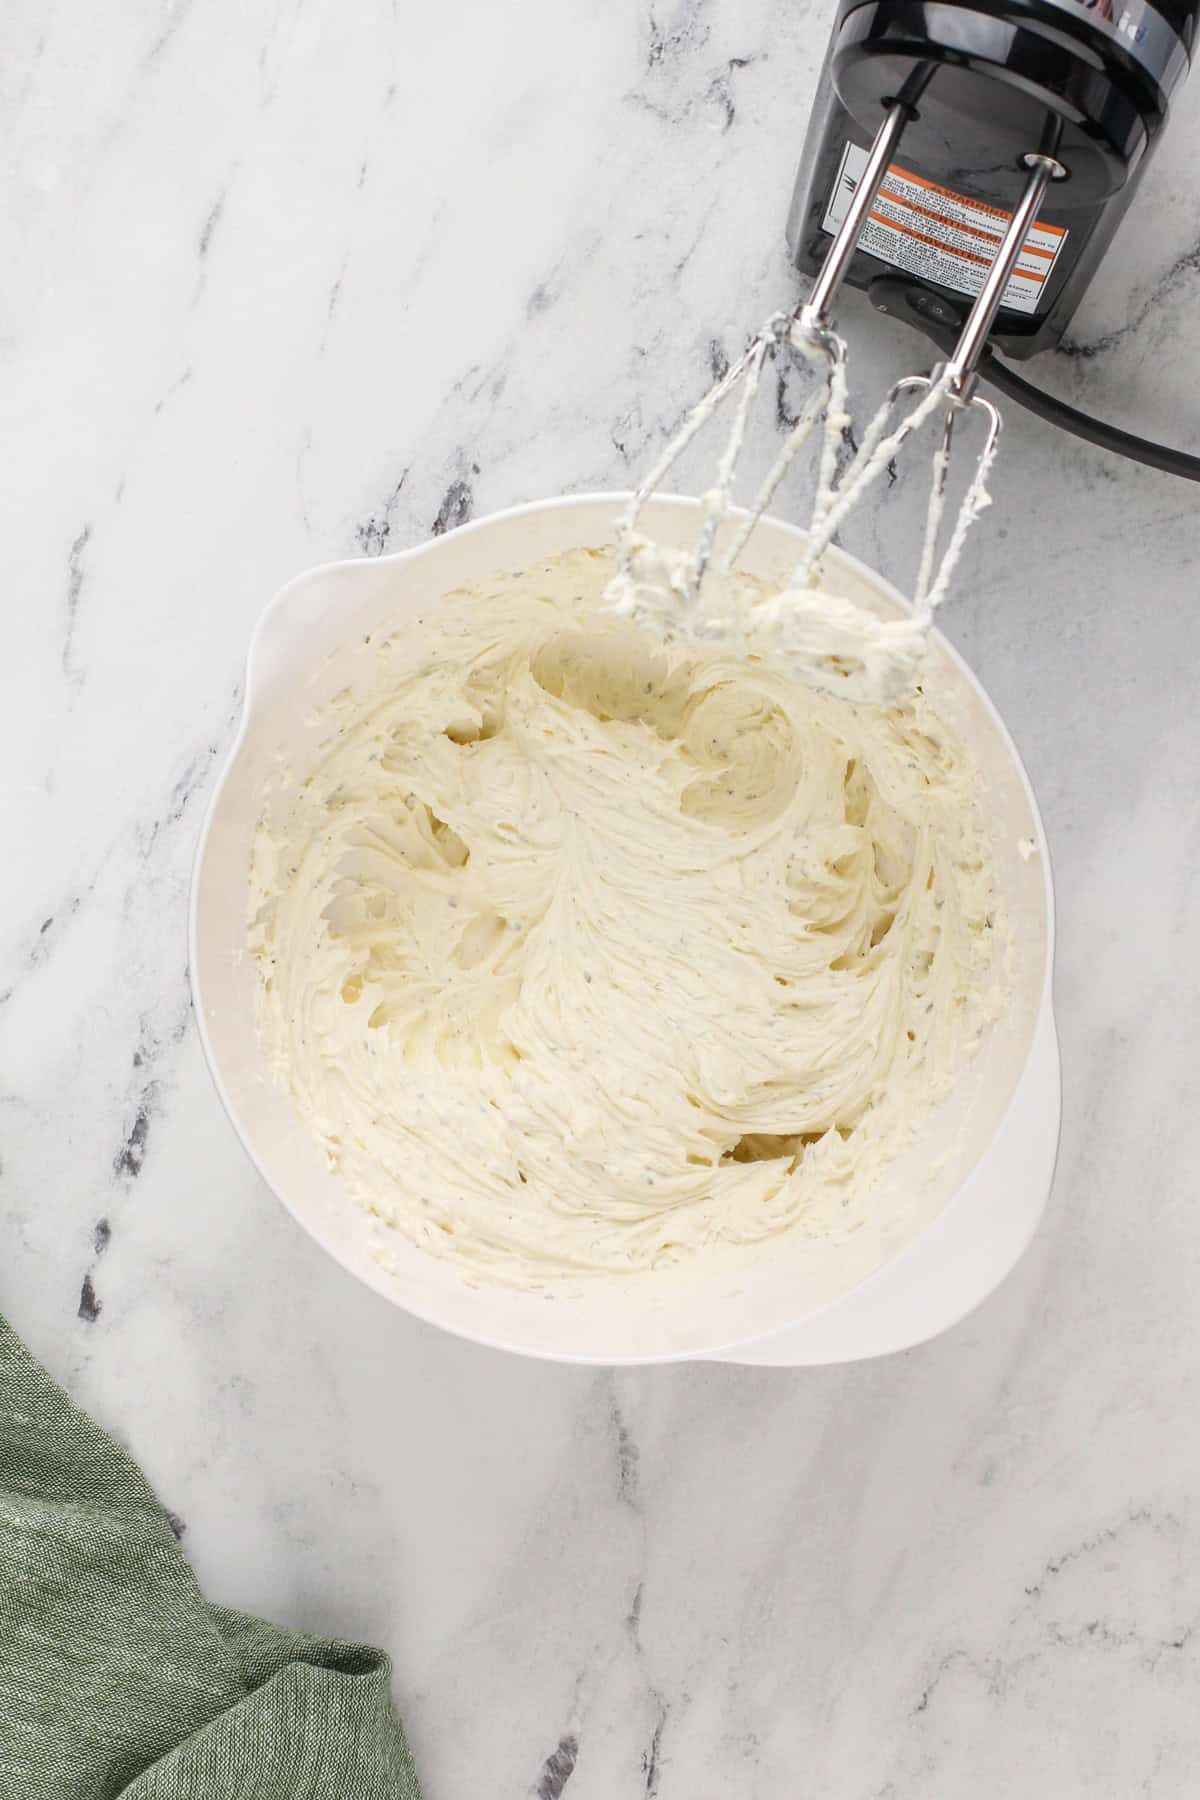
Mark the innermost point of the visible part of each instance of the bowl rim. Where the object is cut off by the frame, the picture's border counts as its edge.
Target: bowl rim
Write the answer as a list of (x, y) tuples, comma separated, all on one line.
[(610, 501)]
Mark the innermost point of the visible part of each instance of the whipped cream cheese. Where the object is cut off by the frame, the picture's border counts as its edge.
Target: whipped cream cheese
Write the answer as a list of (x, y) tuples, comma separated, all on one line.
[(581, 954), (821, 637)]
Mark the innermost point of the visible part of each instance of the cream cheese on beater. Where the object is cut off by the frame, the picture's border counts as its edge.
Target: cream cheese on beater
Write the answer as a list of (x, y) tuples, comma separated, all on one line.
[(580, 954), (822, 638)]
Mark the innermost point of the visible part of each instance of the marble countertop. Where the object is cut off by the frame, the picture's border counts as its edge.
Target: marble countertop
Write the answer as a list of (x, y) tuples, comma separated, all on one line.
[(289, 282)]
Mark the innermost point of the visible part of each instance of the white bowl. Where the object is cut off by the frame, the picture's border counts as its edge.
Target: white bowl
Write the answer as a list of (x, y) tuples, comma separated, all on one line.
[(961, 1206)]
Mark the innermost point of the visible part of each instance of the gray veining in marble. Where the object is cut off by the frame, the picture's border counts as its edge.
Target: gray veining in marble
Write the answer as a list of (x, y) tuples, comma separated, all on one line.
[(286, 282)]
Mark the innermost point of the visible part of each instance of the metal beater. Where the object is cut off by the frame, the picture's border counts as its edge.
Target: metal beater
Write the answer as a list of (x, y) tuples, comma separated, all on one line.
[(809, 336)]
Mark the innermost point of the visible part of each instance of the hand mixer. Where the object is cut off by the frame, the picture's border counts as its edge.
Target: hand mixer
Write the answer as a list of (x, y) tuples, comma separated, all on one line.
[(1024, 127)]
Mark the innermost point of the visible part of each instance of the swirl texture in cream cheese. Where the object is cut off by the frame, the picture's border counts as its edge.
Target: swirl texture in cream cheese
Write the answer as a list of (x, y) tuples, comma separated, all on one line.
[(580, 954)]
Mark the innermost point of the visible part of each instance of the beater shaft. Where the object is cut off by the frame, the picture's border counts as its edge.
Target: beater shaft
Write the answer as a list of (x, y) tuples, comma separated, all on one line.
[(818, 308), (959, 368)]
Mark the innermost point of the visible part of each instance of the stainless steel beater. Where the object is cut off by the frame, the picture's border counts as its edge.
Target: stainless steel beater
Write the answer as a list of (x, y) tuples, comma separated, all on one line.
[(952, 384), (808, 333)]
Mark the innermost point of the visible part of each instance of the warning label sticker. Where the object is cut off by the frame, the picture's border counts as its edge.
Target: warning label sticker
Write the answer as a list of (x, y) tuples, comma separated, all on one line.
[(944, 236)]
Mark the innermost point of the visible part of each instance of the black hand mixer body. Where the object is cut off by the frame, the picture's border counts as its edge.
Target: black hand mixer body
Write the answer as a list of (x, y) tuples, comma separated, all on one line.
[(1085, 82)]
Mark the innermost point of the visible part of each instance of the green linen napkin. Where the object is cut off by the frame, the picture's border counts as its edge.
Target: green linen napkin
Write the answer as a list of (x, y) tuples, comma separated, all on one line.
[(116, 1678)]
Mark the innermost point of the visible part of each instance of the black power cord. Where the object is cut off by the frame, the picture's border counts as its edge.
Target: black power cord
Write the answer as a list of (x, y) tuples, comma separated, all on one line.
[(1082, 425), (928, 315)]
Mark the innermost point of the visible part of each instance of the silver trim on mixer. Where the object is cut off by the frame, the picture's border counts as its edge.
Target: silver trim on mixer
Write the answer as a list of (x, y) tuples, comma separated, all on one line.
[(1142, 33)]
